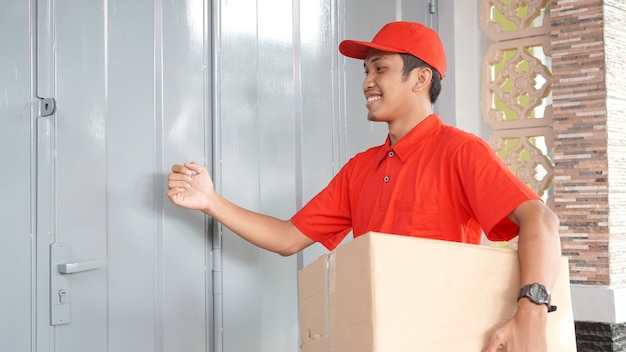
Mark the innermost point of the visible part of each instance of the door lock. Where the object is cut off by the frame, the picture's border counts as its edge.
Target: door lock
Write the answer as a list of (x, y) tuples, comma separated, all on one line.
[(62, 296)]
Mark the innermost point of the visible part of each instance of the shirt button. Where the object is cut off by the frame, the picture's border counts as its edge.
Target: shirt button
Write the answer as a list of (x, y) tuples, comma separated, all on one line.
[(386, 179), (391, 154)]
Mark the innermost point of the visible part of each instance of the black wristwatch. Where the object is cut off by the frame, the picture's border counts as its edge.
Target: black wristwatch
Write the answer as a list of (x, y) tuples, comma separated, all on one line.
[(537, 294)]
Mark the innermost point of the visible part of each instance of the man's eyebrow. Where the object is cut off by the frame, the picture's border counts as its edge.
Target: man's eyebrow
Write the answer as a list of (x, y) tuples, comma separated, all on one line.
[(371, 61)]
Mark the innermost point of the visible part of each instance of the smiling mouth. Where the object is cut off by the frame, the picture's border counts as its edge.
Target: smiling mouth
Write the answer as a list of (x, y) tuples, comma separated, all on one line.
[(373, 98)]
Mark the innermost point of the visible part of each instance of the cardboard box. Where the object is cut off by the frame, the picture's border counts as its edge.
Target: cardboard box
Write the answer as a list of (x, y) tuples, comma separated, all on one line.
[(383, 293)]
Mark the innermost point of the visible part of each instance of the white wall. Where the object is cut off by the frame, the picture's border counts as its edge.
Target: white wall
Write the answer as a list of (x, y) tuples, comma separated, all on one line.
[(464, 42)]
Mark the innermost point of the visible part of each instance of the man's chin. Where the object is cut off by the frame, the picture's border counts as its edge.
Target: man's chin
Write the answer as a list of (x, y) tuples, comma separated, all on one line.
[(374, 118)]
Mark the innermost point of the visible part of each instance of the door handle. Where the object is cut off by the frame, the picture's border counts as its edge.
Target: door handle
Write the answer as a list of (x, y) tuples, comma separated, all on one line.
[(60, 291), (77, 267)]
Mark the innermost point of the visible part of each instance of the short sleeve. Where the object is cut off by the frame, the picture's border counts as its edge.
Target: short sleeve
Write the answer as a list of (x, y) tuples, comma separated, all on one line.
[(327, 217), (492, 190)]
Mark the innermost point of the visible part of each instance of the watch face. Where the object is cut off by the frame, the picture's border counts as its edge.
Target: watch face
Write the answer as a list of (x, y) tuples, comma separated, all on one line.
[(539, 293)]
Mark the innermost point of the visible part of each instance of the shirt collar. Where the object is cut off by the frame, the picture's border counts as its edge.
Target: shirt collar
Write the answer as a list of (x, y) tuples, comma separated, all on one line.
[(407, 144)]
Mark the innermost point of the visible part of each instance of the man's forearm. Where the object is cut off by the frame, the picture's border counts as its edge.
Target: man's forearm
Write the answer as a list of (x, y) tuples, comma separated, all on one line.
[(264, 231)]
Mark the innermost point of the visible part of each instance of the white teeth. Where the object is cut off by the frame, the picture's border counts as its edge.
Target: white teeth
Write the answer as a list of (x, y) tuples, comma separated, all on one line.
[(373, 98)]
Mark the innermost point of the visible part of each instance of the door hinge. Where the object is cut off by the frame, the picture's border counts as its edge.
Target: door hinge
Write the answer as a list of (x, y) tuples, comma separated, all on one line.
[(47, 106), (432, 6), (216, 271)]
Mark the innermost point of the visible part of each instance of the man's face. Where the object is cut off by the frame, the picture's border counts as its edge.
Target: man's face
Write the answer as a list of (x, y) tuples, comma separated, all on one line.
[(388, 94)]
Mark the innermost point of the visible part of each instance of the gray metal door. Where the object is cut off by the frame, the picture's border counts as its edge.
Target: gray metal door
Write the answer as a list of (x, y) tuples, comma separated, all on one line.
[(126, 271)]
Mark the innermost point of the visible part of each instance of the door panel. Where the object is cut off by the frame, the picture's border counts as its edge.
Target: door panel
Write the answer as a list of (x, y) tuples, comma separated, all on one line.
[(80, 171), (133, 240), (132, 90)]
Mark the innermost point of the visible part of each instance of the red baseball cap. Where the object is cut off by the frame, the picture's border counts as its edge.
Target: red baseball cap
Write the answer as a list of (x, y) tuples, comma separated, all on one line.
[(402, 37)]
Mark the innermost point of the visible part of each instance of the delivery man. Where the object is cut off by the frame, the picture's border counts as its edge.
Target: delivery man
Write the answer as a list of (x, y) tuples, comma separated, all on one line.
[(426, 180)]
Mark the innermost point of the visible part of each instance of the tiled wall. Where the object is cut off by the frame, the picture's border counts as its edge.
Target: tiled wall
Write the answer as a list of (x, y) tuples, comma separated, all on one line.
[(580, 137)]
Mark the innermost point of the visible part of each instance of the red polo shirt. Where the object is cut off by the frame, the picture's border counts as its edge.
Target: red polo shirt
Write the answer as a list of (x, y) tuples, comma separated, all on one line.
[(437, 182)]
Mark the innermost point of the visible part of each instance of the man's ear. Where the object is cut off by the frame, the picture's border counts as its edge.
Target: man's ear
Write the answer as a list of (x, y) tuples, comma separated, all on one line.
[(424, 78)]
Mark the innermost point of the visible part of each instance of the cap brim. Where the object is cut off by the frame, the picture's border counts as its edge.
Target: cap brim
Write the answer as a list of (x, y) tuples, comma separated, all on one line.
[(358, 49)]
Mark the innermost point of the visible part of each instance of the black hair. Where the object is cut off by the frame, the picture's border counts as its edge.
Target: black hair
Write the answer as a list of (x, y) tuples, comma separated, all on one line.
[(411, 62)]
